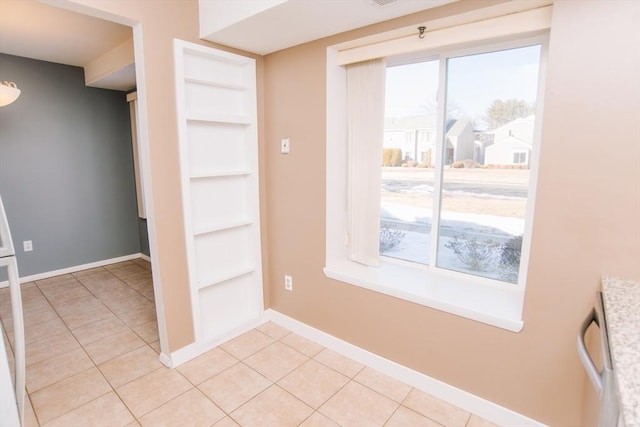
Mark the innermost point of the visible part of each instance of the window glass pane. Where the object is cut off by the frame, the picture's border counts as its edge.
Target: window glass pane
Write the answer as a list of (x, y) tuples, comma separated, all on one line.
[(407, 161), (489, 129)]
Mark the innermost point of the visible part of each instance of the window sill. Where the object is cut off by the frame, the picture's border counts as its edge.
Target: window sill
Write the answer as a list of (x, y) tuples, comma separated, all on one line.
[(491, 305)]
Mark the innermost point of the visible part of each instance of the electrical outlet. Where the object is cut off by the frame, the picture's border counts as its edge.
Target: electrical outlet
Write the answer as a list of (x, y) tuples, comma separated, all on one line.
[(27, 245), (288, 282)]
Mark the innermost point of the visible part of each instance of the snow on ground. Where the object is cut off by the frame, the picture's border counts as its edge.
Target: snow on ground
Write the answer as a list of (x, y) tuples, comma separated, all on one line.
[(428, 189), (415, 245), (478, 223)]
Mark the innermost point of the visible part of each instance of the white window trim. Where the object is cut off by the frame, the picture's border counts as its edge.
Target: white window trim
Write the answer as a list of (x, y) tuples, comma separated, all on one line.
[(502, 20), (483, 300)]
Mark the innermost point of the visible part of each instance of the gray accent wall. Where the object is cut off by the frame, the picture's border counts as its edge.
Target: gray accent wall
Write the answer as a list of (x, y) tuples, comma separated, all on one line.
[(144, 237), (66, 168)]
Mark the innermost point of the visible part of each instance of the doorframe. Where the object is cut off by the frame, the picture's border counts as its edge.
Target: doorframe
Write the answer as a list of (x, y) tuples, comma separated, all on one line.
[(145, 154)]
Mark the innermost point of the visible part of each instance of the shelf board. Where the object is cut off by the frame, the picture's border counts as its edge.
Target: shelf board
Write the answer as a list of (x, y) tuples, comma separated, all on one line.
[(226, 277), (215, 84), (208, 175), (200, 116), (201, 231)]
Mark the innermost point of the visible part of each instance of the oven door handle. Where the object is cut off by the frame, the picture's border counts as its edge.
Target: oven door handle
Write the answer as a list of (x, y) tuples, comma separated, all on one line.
[(594, 375)]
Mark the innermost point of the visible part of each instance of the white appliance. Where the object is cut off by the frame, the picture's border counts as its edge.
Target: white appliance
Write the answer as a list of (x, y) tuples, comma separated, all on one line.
[(11, 398), (603, 380)]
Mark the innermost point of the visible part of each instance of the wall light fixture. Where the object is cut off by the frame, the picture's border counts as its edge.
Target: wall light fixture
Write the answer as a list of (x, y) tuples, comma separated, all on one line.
[(9, 92)]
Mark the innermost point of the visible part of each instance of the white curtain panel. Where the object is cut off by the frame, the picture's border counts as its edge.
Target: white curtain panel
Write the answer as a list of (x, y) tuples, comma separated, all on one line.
[(365, 96)]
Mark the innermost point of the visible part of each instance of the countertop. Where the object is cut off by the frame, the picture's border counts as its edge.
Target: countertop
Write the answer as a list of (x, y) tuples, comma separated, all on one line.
[(622, 313)]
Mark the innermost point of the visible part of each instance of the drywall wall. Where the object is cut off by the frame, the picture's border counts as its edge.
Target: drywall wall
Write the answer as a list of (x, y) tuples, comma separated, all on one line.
[(156, 27), (586, 217), (66, 168), (144, 237)]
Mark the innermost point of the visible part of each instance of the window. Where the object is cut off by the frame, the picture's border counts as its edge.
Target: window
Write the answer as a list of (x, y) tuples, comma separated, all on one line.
[(472, 219), (455, 213), (519, 158)]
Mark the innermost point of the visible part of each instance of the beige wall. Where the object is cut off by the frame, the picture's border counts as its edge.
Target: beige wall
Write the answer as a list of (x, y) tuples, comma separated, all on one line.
[(161, 23), (586, 215), (586, 218)]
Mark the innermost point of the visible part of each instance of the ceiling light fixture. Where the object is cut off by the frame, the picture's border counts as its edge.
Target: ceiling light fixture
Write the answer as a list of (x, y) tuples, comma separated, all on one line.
[(9, 92)]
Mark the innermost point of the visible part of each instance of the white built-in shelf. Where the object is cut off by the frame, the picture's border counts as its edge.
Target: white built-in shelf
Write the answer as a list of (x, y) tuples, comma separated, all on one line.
[(217, 124), (201, 116), (226, 278), (215, 84), (219, 174), (201, 231)]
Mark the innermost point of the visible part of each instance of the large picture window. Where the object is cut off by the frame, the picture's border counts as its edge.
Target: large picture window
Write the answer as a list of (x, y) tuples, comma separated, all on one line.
[(431, 171), (458, 202)]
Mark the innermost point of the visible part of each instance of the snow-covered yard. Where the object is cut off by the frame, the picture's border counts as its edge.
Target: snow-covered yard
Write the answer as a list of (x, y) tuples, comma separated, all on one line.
[(415, 243), (473, 208)]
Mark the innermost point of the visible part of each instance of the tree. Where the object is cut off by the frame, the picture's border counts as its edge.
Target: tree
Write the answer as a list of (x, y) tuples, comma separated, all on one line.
[(502, 112)]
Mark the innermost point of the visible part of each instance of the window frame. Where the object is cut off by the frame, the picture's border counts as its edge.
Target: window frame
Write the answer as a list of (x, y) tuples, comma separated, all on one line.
[(489, 301), (441, 150)]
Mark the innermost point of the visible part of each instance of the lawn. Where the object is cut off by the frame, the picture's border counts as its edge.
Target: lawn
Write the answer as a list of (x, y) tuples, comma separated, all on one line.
[(496, 192)]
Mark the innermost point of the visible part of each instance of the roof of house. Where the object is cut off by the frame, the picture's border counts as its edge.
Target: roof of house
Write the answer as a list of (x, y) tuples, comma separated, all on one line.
[(529, 119), (455, 129), (512, 141)]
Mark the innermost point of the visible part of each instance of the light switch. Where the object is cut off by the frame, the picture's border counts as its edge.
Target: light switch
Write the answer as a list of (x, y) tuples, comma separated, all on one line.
[(285, 145)]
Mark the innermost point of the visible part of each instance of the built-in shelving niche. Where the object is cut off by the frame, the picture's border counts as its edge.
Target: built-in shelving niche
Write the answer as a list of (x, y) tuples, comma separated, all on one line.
[(216, 98)]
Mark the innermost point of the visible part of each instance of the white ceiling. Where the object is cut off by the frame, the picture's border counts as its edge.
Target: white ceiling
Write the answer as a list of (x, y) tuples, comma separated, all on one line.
[(286, 23), (35, 30)]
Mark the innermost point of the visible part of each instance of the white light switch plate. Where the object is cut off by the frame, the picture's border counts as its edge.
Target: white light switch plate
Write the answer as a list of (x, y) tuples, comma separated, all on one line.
[(285, 145)]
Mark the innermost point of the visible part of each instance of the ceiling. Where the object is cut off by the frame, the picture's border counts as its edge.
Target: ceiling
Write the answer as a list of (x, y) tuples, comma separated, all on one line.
[(266, 26), (35, 30)]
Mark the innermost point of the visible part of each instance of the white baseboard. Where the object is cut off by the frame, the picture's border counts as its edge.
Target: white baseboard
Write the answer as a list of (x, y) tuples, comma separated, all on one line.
[(46, 275), (483, 408), (488, 410), (145, 257), (194, 350)]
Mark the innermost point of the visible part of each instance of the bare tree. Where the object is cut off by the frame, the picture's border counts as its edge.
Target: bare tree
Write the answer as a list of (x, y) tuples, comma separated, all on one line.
[(502, 112)]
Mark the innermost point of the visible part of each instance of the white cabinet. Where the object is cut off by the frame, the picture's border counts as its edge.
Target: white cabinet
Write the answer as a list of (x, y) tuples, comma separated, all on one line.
[(217, 114)]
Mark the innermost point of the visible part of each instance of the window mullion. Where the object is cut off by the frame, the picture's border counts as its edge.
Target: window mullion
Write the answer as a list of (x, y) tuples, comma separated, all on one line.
[(439, 162)]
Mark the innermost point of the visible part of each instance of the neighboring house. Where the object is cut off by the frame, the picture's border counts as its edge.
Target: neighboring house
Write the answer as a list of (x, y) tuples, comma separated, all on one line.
[(460, 141), (479, 149), (508, 151), (414, 135), (512, 143)]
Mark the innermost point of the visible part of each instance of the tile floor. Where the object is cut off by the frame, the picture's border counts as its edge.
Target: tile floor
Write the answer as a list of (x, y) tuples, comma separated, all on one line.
[(92, 360)]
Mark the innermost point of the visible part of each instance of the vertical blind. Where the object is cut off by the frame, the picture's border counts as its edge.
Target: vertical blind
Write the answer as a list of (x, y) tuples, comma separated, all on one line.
[(365, 98)]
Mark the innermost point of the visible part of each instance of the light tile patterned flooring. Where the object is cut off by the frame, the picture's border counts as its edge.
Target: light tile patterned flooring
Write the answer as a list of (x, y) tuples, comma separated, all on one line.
[(92, 360)]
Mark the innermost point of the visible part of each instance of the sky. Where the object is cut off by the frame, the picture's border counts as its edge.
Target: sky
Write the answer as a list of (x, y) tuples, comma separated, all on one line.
[(474, 82)]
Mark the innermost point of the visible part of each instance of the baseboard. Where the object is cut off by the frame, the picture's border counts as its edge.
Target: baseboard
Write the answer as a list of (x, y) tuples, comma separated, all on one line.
[(193, 350), (488, 410), (76, 268), (145, 257)]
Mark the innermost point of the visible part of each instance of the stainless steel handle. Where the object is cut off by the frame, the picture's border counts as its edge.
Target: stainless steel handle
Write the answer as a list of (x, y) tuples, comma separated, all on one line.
[(594, 375)]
